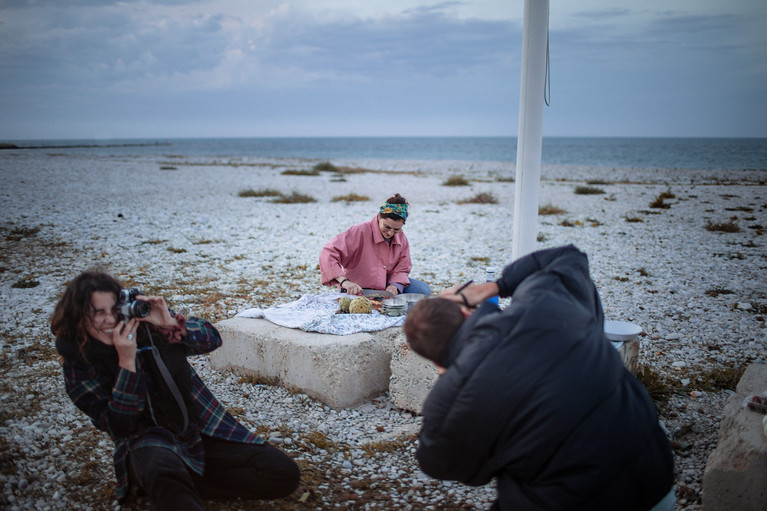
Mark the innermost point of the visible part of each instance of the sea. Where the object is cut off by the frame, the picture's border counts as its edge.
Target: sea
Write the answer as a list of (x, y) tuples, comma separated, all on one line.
[(681, 153)]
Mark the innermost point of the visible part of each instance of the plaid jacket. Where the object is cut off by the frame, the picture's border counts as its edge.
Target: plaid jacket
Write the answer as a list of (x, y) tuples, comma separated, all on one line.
[(119, 408)]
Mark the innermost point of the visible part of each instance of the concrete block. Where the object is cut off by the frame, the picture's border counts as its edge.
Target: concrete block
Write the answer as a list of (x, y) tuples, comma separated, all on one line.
[(736, 470), (412, 377), (339, 370)]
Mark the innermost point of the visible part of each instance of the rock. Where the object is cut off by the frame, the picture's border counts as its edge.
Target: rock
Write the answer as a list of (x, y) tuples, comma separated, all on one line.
[(736, 471)]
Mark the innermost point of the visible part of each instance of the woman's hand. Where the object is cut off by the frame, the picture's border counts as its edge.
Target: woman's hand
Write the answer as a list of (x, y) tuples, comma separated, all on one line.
[(392, 289), (159, 315), (124, 340), (351, 287)]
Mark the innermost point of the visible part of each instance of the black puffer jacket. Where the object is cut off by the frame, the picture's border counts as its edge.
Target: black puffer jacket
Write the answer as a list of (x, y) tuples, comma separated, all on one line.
[(537, 397)]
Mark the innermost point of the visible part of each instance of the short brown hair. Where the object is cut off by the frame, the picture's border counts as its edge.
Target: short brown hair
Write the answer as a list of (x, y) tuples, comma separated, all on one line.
[(430, 325)]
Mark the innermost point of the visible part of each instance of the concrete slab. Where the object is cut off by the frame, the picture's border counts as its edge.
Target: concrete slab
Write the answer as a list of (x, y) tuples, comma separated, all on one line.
[(412, 377), (736, 471), (339, 370)]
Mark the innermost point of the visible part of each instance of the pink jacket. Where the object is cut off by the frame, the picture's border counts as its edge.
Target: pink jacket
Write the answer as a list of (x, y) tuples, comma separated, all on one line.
[(362, 255)]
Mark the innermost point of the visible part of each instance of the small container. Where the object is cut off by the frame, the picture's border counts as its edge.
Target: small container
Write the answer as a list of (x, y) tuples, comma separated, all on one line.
[(394, 307), (490, 277), (624, 336), (412, 299)]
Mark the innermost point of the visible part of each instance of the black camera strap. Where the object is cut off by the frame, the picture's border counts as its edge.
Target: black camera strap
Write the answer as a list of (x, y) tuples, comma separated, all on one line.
[(168, 379)]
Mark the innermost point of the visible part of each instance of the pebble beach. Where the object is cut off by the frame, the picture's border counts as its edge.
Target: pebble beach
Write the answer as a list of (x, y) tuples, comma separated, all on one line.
[(680, 253)]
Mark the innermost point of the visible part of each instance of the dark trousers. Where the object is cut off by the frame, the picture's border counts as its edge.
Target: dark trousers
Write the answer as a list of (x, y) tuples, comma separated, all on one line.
[(232, 470)]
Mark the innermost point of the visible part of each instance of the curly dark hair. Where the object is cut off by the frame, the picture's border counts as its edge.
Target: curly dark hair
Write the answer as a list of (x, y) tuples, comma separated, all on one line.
[(70, 317)]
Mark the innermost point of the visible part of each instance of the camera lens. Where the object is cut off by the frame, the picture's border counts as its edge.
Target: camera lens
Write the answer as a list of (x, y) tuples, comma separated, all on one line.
[(140, 309)]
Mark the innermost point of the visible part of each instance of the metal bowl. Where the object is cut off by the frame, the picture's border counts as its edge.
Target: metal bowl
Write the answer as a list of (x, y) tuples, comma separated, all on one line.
[(412, 298), (394, 306)]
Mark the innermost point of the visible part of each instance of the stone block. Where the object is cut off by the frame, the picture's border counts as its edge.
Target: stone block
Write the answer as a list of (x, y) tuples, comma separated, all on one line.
[(412, 377), (736, 471), (339, 370)]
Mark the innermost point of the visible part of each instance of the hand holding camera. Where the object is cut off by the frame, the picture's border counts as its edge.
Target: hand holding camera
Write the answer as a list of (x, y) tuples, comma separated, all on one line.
[(151, 309)]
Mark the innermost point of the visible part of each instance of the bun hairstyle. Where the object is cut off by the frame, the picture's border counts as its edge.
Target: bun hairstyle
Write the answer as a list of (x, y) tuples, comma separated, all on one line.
[(395, 208)]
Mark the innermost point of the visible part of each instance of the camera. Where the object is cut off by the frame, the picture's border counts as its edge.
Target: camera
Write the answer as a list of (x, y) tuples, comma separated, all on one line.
[(129, 307)]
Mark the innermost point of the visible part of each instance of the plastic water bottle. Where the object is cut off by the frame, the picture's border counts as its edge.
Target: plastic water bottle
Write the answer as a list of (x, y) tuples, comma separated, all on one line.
[(490, 277)]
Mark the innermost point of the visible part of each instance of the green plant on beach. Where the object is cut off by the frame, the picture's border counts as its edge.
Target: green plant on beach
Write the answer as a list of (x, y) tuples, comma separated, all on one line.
[(480, 198), (456, 181)]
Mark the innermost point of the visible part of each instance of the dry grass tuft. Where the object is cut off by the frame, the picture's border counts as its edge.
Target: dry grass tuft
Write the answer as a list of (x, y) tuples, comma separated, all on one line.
[(325, 166), (480, 198), (729, 226), (588, 190), (456, 181), (294, 198), (263, 192), (550, 209), (300, 172), (350, 197)]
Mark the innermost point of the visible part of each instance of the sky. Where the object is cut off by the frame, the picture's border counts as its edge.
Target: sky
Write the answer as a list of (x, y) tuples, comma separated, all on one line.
[(85, 69)]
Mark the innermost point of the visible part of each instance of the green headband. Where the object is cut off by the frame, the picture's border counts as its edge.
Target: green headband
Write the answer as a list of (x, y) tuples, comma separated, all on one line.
[(394, 209)]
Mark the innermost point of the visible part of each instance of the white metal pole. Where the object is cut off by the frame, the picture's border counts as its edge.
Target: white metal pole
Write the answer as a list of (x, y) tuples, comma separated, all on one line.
[(530, 131)]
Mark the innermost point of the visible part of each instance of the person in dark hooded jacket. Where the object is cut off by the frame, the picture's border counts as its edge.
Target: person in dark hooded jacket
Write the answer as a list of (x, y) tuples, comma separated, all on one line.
[(535, 396)]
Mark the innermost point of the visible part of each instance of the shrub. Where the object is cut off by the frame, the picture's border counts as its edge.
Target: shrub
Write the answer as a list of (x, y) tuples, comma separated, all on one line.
[(455, 181), (351, 197), (300, 172), (294, 198), (730, 226), (480, 198), (659, 203), (549, 209), (264, 192), (588, 190), (325, 166)]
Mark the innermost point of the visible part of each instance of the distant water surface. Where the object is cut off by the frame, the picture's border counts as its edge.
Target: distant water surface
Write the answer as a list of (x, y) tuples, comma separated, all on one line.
[(682, 153)]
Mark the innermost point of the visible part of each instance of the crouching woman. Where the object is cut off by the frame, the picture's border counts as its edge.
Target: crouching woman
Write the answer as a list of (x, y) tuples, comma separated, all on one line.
[(129, 374)]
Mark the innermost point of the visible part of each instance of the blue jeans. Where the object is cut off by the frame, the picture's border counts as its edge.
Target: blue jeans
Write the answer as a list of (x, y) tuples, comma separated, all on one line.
[(417, 286), (232, 469)]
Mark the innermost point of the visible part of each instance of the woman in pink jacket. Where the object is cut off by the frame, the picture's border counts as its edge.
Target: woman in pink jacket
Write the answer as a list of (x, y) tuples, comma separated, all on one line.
[(373, 255)]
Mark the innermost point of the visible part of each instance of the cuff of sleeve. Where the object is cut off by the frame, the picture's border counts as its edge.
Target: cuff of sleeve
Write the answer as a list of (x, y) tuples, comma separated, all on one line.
[(128, 382), (503, 291)]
